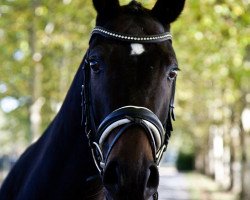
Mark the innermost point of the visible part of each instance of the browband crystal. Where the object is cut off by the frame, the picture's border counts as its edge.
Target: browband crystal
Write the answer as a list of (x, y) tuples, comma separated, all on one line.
[(131, 38)]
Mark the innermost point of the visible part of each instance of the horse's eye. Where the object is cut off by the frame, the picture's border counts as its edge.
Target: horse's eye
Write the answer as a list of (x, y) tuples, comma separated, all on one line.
[(172, 74), (94, 65)]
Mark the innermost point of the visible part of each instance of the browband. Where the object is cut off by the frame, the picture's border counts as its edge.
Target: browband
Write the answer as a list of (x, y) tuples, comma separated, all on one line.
[(131, 38)]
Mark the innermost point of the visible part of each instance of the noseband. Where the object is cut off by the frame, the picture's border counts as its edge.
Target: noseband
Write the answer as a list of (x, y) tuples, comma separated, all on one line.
[(124, 117)]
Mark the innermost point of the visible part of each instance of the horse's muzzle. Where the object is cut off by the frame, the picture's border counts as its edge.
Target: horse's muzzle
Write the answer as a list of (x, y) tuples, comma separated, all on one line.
[(130, 171), (115, 181)]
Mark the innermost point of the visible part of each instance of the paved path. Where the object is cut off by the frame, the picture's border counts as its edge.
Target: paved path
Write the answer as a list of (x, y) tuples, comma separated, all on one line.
[(173, 185)]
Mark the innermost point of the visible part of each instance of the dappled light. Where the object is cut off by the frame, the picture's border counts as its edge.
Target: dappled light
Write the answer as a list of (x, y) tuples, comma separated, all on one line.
[(43, 42)]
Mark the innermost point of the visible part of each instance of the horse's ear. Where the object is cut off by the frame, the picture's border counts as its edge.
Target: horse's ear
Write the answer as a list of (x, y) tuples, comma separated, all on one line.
[(106, 8), (167, 11)]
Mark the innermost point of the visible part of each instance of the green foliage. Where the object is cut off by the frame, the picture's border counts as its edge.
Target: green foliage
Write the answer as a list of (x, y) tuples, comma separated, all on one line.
[(211, 39), (185, 161), (42, 44)]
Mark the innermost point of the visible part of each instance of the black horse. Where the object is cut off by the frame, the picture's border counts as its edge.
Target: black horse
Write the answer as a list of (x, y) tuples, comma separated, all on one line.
[(114, 125)]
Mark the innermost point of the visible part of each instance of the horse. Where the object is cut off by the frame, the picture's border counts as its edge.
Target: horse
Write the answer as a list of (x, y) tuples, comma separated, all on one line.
[(109, 136)]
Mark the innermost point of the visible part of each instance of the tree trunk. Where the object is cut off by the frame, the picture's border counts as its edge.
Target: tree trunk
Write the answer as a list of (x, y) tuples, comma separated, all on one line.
[(242, 147), (232, 152), (243, 163), (232, 161), (36, 100)]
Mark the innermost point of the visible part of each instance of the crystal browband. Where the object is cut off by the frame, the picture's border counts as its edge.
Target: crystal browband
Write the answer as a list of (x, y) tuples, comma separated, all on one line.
[(132, 38)]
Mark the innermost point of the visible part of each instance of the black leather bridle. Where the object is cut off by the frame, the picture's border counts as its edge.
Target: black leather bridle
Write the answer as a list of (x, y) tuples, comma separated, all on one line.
[(127, 116)]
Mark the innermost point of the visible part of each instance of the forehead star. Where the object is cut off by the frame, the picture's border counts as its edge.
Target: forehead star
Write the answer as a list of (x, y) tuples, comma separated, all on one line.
[(136, 49)]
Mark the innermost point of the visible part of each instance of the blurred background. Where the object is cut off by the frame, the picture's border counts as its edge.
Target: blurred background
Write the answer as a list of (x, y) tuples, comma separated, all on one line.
[(42, 43)]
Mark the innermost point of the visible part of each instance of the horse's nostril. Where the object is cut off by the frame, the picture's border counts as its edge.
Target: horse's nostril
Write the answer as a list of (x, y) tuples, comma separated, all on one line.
[(153, 178), (111, 176), (152, 181)]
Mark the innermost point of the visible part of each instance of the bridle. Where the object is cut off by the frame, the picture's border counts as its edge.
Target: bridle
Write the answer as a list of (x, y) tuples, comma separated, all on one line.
[(124, 117)]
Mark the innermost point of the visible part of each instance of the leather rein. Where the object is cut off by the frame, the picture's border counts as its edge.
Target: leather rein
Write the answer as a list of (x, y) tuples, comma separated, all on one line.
[(127, 116)]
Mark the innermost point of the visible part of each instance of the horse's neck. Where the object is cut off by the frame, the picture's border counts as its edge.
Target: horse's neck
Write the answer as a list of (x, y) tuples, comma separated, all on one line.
[(59, 164), (69, 118), (70, 131), (67, 123), (68, 141), (70, 115), (66, 131)]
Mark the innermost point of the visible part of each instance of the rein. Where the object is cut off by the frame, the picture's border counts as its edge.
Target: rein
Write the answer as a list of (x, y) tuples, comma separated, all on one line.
[(127, 116)]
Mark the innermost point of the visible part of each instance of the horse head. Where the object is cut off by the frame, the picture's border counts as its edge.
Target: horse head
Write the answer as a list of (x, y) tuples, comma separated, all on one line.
[(130, 71)]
